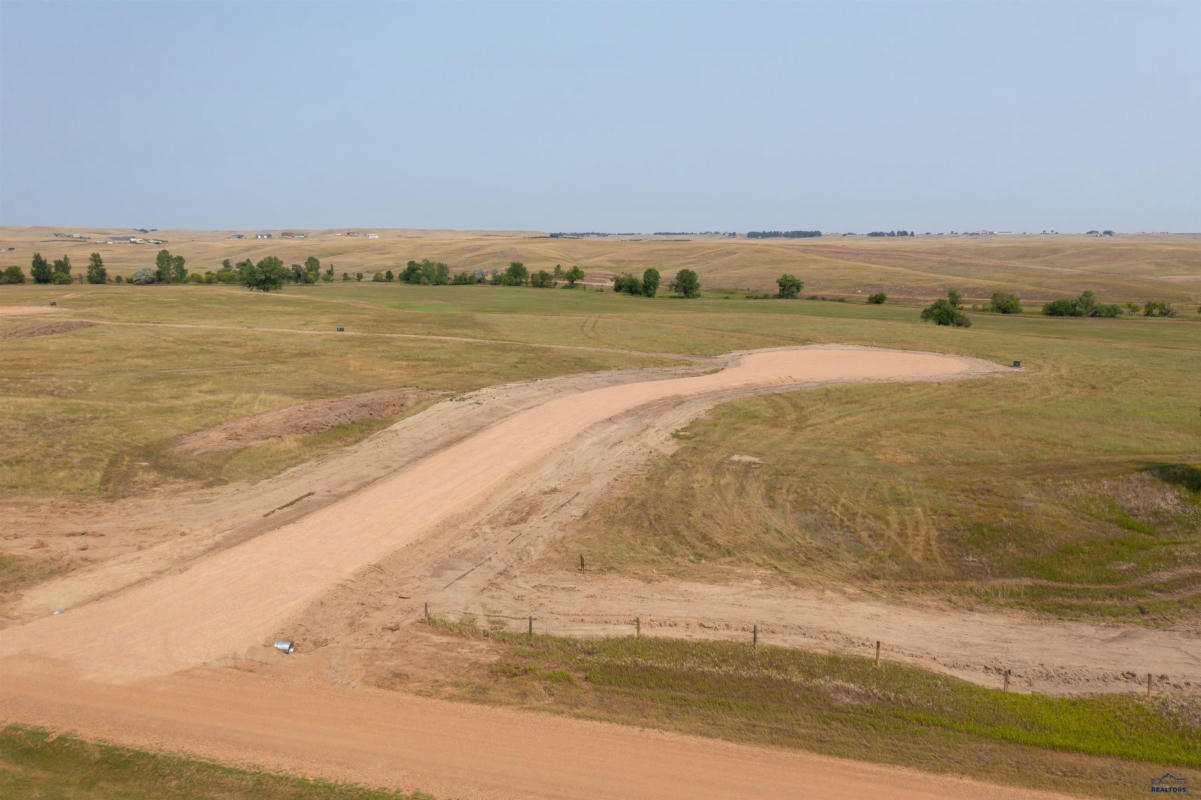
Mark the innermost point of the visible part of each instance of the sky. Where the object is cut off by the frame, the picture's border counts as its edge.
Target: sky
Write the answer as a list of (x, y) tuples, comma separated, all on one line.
[(668, 116)]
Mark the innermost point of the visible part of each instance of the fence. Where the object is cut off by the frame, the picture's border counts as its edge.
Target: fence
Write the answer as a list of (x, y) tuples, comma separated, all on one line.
[(499, 622)]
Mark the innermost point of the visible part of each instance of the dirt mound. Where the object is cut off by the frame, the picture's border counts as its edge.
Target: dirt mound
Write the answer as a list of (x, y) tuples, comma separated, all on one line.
[(312, 417), (26, 330)]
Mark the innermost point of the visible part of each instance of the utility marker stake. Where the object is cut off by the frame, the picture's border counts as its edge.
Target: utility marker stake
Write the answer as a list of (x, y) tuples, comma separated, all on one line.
[(531, 633), (581, 562), (637, 626), (755, 636), (1148, 685), (877, 652)]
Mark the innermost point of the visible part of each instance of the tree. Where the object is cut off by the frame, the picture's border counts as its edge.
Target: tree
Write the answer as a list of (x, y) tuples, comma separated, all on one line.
[(877, 299), (358, 276), (945, 311), (542, 280), (412, 273), (312, 264), (790, 286), (388, 276), (40, 269), (515, 275), (650, 282), (558, 274), (96, 271), (1004, 303), (170, 268), (329, 274), (686, 283), (270, 273), (377, 277), (955, 298), (12, 275), (297, 273), (1158, 308), (574, 274), (62, 266), (627, 284)]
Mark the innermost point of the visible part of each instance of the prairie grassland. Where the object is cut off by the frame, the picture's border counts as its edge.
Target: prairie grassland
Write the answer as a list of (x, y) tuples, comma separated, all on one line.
[(1129, 267), (1063, 487), (37, 765), (1070, 487), (845, 706)]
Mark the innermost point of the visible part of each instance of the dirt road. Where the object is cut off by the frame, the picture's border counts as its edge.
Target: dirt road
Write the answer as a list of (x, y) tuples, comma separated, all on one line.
[(234, 600), (450, 750)]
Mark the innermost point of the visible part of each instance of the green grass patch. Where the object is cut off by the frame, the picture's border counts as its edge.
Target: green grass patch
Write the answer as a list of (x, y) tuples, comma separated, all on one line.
[(34, 764), (845, 706)]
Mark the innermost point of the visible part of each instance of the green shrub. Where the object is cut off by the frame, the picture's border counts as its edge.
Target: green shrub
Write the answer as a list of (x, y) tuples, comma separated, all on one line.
[(1108, 310), (627, 284), (686, 283), (947, 311), (877, 299), (1004, 303), (790, 286), (576, 274), (12, 275), (542, 280), (195, 277)]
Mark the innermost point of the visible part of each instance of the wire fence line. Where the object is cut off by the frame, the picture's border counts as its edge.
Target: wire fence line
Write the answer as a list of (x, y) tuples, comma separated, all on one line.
[(746, 631)]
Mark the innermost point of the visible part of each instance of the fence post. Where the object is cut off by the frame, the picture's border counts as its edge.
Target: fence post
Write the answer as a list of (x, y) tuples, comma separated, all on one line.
[(1006, 681), (581, 562), (531, 632), (1148, 685), (427, 613), (755, 636), (877, 652), (637, 626)]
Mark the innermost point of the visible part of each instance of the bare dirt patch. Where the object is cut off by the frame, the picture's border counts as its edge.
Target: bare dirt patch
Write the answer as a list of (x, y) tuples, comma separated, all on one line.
[(305, 418), (20, 311), (28, 330)]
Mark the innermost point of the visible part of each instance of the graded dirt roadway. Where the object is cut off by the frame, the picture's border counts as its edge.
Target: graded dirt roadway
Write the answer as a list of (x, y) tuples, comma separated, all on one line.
[(232, 601), (450, 750)]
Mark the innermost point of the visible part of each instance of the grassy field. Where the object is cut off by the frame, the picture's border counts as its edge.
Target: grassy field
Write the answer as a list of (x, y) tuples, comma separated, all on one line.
[(1134, 267), (1069, 487), (35, 765), (845, 706)]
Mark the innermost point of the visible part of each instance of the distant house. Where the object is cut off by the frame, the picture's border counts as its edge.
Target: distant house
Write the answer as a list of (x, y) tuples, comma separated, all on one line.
[(236, 236), (262, 236), (353, 233), (291, 235), (373, 236), (122, 240)]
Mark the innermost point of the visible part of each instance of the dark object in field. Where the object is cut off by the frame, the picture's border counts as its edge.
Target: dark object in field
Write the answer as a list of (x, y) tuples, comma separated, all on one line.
[(340, 330), (53, 302), (285, 647), (1017, 364)]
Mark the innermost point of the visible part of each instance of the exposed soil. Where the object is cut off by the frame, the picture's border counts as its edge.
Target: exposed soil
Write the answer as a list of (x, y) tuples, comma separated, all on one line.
[(454, 506), (450, 750), (27, 330), (20, 311), (303, 418)]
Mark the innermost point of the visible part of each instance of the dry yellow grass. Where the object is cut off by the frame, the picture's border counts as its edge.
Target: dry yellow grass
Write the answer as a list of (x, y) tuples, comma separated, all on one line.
[(1129, 267)]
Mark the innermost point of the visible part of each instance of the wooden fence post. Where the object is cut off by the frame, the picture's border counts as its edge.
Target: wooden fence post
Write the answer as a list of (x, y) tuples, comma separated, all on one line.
[(755, 636), (637, 626), (1006, 681), (877, 652), (1148, 685), (531, 631), (427, 613), (581, 562)]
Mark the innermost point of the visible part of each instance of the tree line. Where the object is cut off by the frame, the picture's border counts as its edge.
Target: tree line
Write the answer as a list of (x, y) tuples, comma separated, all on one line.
[(783, 234)]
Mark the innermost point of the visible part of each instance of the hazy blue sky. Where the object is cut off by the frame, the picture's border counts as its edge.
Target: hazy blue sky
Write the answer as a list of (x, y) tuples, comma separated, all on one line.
[(571, 116)]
